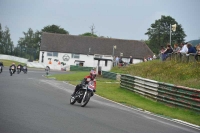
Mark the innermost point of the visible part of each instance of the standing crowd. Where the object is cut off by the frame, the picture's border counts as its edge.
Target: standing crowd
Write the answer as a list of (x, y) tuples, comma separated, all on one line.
[(184, 48)]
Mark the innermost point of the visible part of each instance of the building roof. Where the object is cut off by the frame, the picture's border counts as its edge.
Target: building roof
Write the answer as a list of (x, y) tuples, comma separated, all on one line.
[(81, 44)]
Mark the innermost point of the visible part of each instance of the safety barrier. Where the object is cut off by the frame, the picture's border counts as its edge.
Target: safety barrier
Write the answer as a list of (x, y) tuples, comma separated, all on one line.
[(109, 75), (185, 58), (167, 93), (13, 58), (80, 68)]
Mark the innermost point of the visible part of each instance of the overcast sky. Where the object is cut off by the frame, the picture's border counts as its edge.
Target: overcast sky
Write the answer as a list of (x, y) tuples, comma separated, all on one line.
[(123, 19)]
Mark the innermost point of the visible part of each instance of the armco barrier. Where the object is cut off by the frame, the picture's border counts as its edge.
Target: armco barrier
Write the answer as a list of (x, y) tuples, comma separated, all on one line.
[(80, 68), (179, 96), (168, 93), (109, 75), (140, 85)]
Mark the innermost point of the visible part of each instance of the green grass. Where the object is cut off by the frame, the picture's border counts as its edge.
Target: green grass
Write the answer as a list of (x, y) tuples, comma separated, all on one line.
[(113, 92), (9, 62), (181, 74)]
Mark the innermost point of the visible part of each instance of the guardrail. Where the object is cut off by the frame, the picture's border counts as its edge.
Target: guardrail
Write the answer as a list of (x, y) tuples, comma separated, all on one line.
[(109, 75), (80, 68), (167, 93)]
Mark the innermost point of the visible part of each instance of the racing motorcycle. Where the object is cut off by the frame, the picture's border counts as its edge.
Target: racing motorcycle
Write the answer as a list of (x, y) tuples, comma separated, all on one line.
[(24, 69), (83, 95), (12, 70), (18, 69), (1, 69)]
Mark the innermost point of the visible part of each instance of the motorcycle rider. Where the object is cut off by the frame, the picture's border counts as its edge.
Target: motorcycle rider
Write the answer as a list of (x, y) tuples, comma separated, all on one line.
[(1, 64), (24, 68), (19, 67), (86, 80), (13, 64)]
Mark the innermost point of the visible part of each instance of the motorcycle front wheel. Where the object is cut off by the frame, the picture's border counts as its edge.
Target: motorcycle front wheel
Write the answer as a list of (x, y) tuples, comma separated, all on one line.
[(72, 100), (85, 99)]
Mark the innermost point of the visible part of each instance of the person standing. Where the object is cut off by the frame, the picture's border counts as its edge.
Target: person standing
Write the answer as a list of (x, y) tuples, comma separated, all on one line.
[(117, 61), (131, 60)]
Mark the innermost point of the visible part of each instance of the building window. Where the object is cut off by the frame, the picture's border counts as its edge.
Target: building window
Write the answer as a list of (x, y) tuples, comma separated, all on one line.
[(55, 54), (77, 56)]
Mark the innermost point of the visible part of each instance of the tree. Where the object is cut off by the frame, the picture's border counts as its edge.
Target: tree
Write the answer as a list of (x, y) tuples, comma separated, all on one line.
[(1, 34), (88, 34), (54, 29), (6, 42), (159, 33), (29, 45)]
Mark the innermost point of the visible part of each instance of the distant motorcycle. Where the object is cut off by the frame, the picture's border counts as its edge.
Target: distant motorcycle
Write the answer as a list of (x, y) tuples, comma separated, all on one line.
[(47, 70), (1, 68), (83, 95), (12, 70), (24, 69), (18, 69)]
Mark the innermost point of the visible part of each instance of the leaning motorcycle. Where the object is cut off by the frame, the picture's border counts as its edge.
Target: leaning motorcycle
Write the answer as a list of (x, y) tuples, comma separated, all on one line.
[(83, 95), (12, 70)]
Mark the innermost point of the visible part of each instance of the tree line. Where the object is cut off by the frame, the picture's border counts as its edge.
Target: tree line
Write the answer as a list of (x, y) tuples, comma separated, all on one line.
[(29, 45)]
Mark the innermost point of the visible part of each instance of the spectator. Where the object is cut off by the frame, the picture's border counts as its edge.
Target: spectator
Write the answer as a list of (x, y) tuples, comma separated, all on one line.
[(191, 49), (154, 56), (131, 60), (117, 61), (168, 51), (176, 48), (145, 59), (121, 62), (184, 48), (162, 49)]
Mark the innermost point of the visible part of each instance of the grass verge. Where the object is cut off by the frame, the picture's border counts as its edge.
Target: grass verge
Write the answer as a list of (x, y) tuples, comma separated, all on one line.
[(181, 74), (113, 92), (9, 62)]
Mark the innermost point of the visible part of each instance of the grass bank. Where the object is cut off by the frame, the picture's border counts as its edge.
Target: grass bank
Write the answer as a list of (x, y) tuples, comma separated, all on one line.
[(9, 62), (110, 89), (182, 74)]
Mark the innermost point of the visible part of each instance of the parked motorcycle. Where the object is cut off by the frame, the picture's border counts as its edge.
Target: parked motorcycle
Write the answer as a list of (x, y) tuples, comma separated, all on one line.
[(12, 70), (83, 95)]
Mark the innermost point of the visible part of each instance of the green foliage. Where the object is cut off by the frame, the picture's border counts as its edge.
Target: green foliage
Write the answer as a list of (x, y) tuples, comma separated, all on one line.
[(29, 45), (9, 62), (88, 34), (6, 44), (159, 33), (54, 29)]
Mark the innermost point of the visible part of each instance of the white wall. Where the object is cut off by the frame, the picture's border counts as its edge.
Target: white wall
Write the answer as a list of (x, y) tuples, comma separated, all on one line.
[(89, 61)]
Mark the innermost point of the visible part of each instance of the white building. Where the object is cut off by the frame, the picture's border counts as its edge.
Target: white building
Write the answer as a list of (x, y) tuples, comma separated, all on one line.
[(60, 51)]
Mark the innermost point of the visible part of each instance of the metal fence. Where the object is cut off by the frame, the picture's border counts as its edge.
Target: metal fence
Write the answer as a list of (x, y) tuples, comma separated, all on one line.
[(109, 75), (185, 58), (168, 93)]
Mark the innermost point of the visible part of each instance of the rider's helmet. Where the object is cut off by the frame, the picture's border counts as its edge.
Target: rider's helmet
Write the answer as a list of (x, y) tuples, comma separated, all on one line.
[(92, 74), (13, 63)]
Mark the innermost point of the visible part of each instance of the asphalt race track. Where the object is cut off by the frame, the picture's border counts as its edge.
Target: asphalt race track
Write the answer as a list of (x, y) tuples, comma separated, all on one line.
[(31, 103)]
